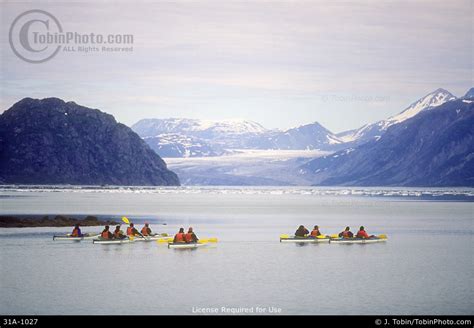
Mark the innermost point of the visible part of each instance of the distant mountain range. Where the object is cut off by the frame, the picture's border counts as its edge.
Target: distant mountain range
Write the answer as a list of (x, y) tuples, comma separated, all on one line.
[(49, 141), (427, 144), (432, 148), (198, 138)]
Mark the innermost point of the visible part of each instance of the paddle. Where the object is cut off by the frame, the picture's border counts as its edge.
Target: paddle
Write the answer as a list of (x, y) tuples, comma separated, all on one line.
[(200, 241), (208, 240), (127, 221)]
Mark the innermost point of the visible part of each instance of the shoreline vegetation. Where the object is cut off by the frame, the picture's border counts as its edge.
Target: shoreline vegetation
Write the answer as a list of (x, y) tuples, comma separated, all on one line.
[(29, 221)]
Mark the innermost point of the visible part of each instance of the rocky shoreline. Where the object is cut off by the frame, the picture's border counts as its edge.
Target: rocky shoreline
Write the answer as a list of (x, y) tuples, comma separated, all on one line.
[(28, 221)]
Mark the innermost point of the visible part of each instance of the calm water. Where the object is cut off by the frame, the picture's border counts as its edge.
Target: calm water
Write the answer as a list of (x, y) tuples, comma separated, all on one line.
[(425, 267)]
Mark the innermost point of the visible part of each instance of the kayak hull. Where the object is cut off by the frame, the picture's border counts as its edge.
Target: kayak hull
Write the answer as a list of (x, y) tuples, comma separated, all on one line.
[(112, 241), (304, 240), (68, 237), (358, 240), (152, 238), (185, 246)]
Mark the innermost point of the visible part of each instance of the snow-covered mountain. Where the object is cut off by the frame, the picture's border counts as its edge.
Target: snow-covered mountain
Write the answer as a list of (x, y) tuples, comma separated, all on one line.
[(181, 137), (305, 137), (375, 130), (215, 135), (469, 95), (194, 138), (433, 148), (179, 145), (201, 128)]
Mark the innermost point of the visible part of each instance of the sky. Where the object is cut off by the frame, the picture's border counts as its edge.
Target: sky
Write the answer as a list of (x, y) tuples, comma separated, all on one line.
[(279, 63)]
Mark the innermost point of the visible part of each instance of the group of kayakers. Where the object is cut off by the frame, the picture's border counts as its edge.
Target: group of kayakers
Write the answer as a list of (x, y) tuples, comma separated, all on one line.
[(131, 232), (189, 237), (180, 237), (346, 233)]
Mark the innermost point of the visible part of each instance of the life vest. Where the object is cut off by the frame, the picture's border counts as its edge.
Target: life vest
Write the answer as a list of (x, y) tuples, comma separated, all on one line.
[(346, 234), (117, 234), (105, 234), (315, 233), (75, 232), (129, 231), (188, 237), (362, 234), (145, 231), (179, 237)]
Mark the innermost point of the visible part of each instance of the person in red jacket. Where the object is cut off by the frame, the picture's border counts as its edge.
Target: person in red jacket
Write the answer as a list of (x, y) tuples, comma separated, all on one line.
[(146, 231), (190, 237), (132, 231), (118, 234), (363, 234), (346, 233), (106, 234), (179, 237), (315, 232)]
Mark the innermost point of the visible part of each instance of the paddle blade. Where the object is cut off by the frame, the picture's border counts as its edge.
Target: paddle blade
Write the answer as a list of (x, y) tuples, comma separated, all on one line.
[(284, 236), (321, 236), (334, 235), (125, 219), (207, 240), (382, 236), (164, 240)]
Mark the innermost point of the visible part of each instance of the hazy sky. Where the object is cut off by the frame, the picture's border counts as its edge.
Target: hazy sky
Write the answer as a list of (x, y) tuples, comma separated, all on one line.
[(282, 64)]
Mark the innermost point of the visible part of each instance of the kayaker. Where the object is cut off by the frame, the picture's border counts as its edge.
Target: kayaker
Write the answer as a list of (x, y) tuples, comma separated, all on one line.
[(363, 234), (315, 232), (190, 237), (179, 237), (346, 233), (118, 234), (76, 232), (132, 231), (301, 232), (146, 231), (106, 234)]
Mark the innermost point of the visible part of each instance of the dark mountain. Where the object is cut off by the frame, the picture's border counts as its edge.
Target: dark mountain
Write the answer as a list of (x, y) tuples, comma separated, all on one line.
[(433, 148), (50, 141)]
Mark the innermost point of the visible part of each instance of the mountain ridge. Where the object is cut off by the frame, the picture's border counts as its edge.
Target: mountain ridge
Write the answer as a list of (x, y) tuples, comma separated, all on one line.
[(50, 141)]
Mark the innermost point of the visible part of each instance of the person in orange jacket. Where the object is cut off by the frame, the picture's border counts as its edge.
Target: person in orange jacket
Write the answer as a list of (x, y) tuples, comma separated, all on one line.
[(179, 237), (106, 234), (76, 232), (146, 231), (132, 231), (190, 237), (315, 232), (118, 234)]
